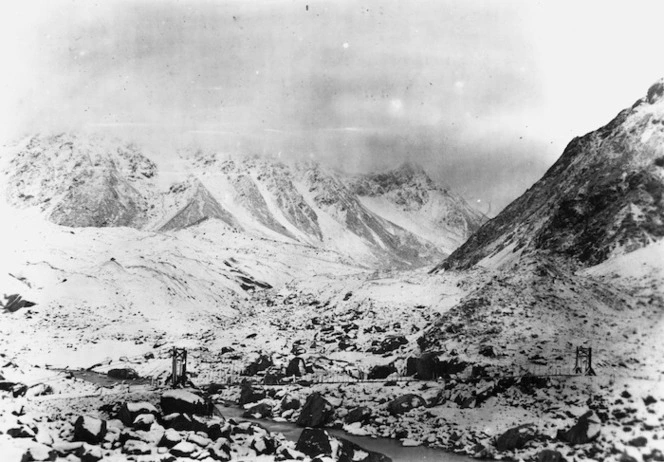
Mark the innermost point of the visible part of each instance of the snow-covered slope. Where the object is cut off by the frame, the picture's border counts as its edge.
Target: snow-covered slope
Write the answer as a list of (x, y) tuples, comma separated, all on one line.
[(603, 197), (408, 197)]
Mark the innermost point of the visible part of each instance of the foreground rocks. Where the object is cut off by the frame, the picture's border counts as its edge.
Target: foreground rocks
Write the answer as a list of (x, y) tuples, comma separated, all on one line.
[(317, 443)]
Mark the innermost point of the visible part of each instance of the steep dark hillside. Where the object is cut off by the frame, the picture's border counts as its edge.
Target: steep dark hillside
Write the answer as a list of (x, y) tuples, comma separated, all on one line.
[(602, 197)]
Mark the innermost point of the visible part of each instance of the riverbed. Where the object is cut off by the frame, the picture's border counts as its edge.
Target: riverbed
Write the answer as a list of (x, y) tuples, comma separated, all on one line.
[(389, 447)]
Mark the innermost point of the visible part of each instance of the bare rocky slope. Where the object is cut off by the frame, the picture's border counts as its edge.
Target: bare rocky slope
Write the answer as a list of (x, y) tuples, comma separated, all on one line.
[(603, 197)]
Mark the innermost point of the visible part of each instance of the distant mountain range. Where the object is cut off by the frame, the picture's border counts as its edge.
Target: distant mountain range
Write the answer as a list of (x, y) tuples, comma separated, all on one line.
[(396, 218)]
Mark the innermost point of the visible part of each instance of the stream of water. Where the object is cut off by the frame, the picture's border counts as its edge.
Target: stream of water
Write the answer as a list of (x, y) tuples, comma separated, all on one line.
[(389, 447)]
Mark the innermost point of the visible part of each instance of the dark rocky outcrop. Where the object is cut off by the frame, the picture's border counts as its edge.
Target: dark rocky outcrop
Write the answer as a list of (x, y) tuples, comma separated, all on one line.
[(296, 367), (382, 372), (261, 364), (516, 438), (129, 411), (89, 429), (405, 403), (586, 429), (316, 412), (182, 401), (317, 442)]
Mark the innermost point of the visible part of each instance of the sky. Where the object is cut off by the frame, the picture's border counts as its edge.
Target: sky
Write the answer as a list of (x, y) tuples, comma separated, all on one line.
[(484, 94)]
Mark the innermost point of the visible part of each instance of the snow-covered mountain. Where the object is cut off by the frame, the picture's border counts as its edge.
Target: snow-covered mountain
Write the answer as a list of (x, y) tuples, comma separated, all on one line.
[(409, 197), (603, 197), (398, 218)]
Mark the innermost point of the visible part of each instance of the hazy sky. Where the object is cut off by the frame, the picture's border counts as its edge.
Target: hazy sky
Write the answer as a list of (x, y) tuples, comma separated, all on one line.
[(485, 94)]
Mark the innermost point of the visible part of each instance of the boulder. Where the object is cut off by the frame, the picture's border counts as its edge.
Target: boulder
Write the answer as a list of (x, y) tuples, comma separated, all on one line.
[(389, 344), (315, 442), (382, 372), (549, 455), (316, 412), (38, 452), (586, 429), (178, 422), (516, 438), (89, 429), (171, 438), (296, 367), (249, 394), (259, 365), (123, 373), (220, 451), (488, 351), (144, 422), (360, 414), (289, 402), (15, 302), (182, 401), (184, 449), (129, 411), (263, 444), (136, 448), (405, 403), (259, 411)]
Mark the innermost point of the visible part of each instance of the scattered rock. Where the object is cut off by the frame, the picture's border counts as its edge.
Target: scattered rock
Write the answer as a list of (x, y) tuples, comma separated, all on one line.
[(259, 365), (144, 422), (360, 414), (136, 448), (584, 431), (316, 412), (182, 401), (516, 438), (296, 367), (382, 372), (405, 403), (389, 344), (289, 402), (89, 429), (39, 452), (249, 394), (549, 455), (123, 373), (184, 449), (171, 438), (129, 411), (259, 411)]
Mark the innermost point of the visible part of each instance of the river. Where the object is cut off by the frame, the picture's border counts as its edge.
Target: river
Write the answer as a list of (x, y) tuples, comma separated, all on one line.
[(389, 447)]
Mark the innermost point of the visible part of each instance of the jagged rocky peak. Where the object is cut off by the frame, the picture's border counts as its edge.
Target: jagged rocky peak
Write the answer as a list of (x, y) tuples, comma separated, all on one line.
[(603, 197), (81, 181), (408, 175)]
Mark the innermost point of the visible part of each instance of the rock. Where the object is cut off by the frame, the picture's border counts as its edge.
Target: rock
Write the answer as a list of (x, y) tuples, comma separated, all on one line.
[(296, 367), (89, 429), (199, 439), (549, 455), (316, 412), (638, 442), (389, 344), (38, 452), (360, 414), (123, 373), (382, 372), (129, 411), (429, 367), (90, 453), (182, 401), (289, 402), (21, 432), (405, 403), (584, 431), (220, 451), (171, 438), (263, 444), (516, 438), (259, 365), (648, 400), (216, 431), (529, 383), (40, 389), (15, 302), (183, 449), (315, 442), (248, 394), (179, 422), (259, 411), (136, 448), (144, 422), (488, 351), (17, 389)]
